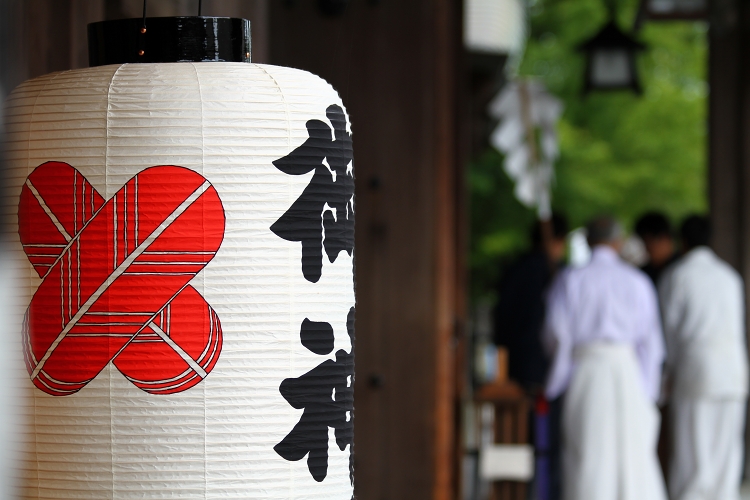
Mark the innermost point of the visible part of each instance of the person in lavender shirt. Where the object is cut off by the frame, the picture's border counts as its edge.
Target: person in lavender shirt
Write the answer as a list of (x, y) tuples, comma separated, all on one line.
[(603, 333)]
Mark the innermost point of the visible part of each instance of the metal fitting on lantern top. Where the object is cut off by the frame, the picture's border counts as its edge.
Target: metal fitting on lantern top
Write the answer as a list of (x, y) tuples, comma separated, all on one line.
[(169, 39)]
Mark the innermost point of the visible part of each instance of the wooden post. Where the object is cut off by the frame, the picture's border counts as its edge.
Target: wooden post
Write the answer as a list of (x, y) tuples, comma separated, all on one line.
[(395, 65), (729, 137), (725, 122)]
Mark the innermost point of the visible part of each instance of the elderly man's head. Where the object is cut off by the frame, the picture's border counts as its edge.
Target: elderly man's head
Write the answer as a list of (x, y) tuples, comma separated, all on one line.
[(605, 230)]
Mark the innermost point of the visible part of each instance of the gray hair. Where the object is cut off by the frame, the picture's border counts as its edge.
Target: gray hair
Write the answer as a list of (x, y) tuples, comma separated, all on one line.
[(604, 229)]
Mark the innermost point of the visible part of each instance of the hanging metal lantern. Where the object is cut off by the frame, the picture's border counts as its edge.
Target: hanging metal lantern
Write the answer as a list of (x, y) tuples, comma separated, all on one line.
[(185, 230), (610, 60)]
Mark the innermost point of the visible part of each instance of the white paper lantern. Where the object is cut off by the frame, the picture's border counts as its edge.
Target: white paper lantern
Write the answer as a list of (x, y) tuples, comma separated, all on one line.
[(495, 26), (187, 234)]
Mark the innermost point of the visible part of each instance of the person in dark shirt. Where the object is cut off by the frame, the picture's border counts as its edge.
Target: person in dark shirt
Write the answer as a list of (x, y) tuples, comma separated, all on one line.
[(518, 322), (519, 314), (656, 232)]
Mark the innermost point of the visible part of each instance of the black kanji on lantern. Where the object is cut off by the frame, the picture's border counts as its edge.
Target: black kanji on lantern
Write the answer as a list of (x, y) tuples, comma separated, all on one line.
[(326, 395), (323, 215)]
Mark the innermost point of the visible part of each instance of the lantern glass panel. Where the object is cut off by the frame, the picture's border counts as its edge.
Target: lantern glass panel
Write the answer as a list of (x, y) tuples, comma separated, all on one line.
[(610, 68)]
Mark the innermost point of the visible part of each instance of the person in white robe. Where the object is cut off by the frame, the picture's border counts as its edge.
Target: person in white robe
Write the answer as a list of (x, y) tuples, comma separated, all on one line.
[(703, 313), (603, 331)]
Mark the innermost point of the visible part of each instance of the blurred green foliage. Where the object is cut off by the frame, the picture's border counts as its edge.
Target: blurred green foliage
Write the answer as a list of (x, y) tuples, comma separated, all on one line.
[(621, 153)]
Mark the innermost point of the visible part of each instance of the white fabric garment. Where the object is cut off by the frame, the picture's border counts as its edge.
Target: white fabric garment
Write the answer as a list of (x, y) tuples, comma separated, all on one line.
[(610, 429), (707, 442), (703, 314), (605, 300), (702, 304)]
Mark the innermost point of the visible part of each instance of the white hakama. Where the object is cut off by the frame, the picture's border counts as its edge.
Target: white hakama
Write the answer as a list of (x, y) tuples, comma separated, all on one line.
[(707, 437), (703, 308), (610, 428)]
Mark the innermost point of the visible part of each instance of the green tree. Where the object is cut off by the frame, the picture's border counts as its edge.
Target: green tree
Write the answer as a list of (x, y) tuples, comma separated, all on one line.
[(620, 153)]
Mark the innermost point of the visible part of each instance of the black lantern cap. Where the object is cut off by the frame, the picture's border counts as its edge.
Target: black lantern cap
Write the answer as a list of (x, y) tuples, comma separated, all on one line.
[(611, 37), (169, 39)]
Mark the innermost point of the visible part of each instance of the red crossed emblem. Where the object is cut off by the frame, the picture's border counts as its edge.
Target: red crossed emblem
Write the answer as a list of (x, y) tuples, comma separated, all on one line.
[(115, 278)]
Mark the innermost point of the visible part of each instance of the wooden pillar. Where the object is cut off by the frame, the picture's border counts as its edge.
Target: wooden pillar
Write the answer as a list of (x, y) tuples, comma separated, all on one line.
[(729, 133), (725, 125), (729, 138), (395, 65)]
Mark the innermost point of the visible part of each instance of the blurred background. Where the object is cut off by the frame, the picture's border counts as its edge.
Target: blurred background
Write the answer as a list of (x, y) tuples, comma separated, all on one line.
[(440, 215)]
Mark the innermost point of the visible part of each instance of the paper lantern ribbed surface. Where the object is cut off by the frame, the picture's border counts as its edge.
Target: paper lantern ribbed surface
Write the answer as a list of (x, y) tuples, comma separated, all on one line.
[(186, 232)]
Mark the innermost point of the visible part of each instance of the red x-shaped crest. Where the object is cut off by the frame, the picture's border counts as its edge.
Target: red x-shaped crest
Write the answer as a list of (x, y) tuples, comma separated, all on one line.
[(115, 278)]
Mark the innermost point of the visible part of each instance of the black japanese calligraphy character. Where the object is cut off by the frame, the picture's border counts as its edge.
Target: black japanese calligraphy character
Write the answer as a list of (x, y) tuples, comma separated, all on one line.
[(326, 394), (323, 215), (317, 336)]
